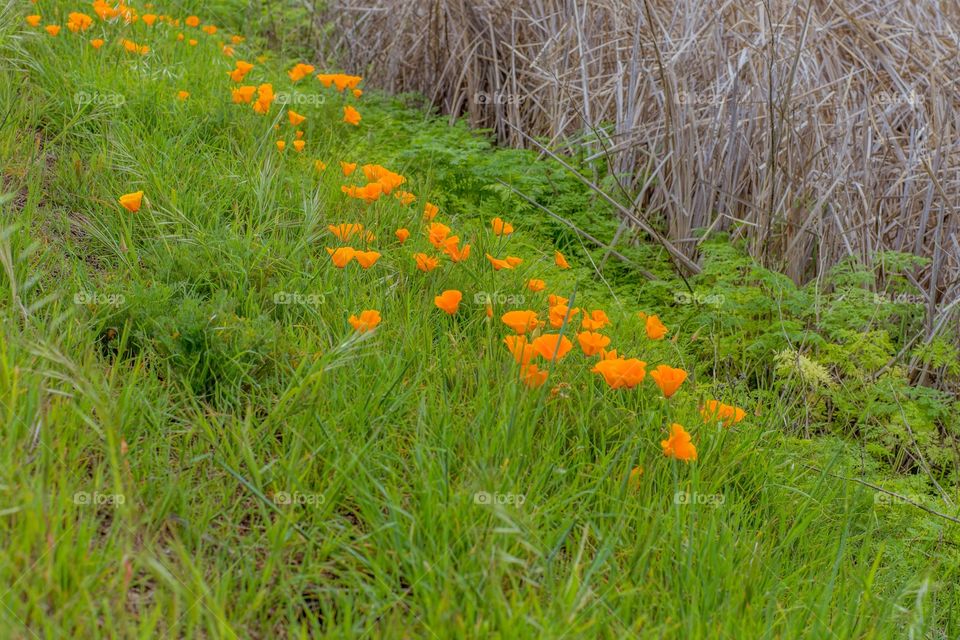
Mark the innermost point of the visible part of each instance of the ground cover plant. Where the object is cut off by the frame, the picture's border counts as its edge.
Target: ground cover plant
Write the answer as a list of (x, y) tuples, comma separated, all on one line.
[(285, 357)]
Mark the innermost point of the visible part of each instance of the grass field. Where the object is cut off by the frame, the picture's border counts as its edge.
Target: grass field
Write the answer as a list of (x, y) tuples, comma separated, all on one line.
[(199, 443)]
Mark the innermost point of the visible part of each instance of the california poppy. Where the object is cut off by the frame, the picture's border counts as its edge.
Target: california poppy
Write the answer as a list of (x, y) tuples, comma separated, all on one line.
[(448, 301), (536, 285), (342, 256), (454, 251), (532, 376), (552, 345), (149, 19), (298, 145), (348, 167), (351, 115), (716, 411), (597, 319), (34, 20), (402, 235), (96, 43), (592, 343), (243, 95), (678, 445), (368, 193), (522, 350), (634, 480), (281, 145), (430, 211), (182, 95), (78, 22), (366, 259), (367, 321), (560, 260), (501, 228), (425, 263), (437, 233), (52, 29), (192, 21), (621, 373), (560, 313), (388, 179), (520, 321), (498, 263), (554, 300), (132, 201), (655, 329), (405, 197), (345, 231), (319, 165), (668, 379)]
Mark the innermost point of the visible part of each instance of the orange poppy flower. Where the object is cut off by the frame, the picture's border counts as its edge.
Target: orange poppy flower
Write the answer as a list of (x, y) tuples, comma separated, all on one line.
[(488, 310), (634, 480), (243, 95), (498, 263), (295, 118), (678, 445), (34, 20), (192, 21), (132, 201), (345, 231), (656, 330), (192, 42), (402, 235), (298, 145), (437, 233), (522, 350), (454, 251), (425, 263), (183, 95), (300, 71), (319, 165), (351, 115), (405, 197), (560, 260), (668, 379), (560, 313), (366, 259), (592, 343), (96, 43), (448, 301), (209, 29), (597, 319), (513, 261), (78, 22), (357, 93), (501, 228), (237, 39), (368, 193), (536, 285), (348, 167), (552, 345), (367, 321), (621, 373), (608, 355), (388, 179), (341, 256), (430, 211), (532, 376), (149, 19), (52, 29), (281, 145), (556, 301), (265, 97), (716, 411), (520, 321)]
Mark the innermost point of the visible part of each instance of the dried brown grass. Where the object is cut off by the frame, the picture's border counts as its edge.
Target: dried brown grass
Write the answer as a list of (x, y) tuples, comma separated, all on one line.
[(817, 129)]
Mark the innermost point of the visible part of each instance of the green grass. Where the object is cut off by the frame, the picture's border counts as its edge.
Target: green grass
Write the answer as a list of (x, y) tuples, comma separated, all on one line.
[(185, 457)]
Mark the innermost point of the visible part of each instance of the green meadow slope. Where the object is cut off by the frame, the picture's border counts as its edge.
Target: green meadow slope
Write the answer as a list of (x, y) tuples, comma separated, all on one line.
[(198, 443)]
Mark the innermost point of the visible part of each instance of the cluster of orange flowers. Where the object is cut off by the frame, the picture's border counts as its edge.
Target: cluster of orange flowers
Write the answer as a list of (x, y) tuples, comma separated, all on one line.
[(534, 347)]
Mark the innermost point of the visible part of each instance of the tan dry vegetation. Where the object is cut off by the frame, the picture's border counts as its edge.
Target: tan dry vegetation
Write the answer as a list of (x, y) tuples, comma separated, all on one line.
[(817, 130)]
